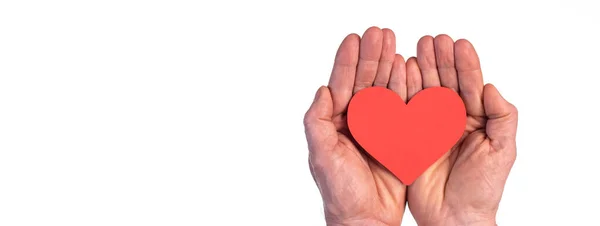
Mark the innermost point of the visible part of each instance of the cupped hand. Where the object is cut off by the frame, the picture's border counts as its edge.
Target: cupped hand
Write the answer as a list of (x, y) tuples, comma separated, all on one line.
[(356, 190), (465, 186)]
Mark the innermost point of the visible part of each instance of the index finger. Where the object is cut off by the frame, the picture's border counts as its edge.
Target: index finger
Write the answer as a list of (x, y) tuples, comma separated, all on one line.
[(341, 82)]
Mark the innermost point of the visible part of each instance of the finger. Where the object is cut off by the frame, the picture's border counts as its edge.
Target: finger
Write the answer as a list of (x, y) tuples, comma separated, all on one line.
[(444, 57), (343, 74), (470, 79), (413, 78), (397, 81), (370, 52), (502, 115), (318, 125), (426, 61), (388, 53)]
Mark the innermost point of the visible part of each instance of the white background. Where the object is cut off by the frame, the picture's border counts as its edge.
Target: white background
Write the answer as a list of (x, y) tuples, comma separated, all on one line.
[(190, 112)]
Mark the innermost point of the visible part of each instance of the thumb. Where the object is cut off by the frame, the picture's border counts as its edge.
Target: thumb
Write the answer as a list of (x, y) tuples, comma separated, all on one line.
[(318, 126), (502, 116)]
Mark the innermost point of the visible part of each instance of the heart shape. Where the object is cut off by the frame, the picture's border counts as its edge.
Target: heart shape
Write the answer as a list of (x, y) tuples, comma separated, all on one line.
[(406, 138)]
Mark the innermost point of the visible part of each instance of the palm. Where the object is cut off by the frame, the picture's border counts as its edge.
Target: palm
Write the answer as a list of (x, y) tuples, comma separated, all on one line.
[(374, 192)]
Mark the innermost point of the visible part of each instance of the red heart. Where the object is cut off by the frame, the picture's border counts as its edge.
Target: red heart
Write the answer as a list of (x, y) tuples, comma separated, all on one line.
[(406, 138)]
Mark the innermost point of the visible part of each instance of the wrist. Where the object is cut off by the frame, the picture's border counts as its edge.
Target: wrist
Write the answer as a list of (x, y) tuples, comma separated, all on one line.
[(478, 223), (358, 222), (452, 222), (474, 220), (459, 220)]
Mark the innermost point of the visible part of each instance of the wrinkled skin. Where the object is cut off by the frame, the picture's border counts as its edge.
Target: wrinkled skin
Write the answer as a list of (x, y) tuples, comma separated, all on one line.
[(356, 190), (466, 185), (462, 188)]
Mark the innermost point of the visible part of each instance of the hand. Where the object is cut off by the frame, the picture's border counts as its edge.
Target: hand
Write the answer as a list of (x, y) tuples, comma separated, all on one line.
[(356, 190), (465, 186)]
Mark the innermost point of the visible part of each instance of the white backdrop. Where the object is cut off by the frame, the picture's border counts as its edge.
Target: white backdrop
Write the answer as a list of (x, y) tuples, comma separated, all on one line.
[(190, 112)]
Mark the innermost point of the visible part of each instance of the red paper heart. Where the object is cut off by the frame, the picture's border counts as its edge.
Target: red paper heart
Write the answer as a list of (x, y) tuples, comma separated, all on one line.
[(406, 138)]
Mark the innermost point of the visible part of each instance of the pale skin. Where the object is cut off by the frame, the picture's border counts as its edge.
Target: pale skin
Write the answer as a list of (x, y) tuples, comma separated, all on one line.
[(462, 188)]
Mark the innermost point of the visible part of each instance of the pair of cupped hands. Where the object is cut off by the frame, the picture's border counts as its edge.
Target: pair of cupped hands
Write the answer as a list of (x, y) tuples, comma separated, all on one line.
[(464, 187)]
